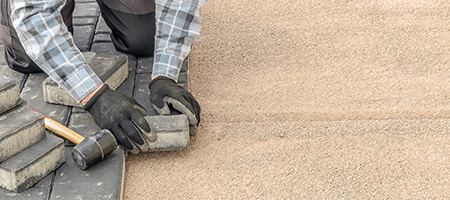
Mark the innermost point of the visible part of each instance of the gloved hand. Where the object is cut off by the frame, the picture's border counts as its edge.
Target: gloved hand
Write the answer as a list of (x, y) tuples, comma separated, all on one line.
[(164, 92), (118, 113)]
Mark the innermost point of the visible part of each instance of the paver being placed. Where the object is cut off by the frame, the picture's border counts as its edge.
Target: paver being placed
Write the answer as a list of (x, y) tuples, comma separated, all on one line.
[(112, 70), (20, 129), (172, 132), (9, 93), (31, 165)]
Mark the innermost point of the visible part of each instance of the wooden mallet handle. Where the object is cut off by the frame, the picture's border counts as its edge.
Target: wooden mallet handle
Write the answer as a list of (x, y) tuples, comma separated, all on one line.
[(62, 130)]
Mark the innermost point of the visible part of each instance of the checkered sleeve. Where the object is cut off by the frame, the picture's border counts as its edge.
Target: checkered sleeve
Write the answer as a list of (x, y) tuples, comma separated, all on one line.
[(177, 26), (50, 45)]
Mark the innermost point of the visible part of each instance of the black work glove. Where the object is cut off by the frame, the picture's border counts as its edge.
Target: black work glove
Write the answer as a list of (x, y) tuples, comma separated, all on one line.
[(164, 92), (120, 114)]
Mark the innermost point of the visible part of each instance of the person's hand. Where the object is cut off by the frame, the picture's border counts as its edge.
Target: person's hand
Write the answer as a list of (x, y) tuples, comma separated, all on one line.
[(164, 92), (118, 113)]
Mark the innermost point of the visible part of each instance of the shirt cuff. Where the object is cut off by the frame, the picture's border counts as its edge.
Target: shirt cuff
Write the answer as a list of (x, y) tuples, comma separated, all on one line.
[(81, 83), (167, 65)]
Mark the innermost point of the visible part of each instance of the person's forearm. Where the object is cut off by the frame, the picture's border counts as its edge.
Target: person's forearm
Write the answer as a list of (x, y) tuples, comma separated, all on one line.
[(177, 26), (48, 43)]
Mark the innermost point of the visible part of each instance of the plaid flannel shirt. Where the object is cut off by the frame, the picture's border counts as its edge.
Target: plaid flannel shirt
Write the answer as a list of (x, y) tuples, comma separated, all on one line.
[(177, 26), (48, 43)]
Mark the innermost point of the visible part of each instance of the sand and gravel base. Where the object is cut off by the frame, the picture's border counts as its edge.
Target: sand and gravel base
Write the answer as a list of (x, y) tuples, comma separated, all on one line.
[(313, 99)]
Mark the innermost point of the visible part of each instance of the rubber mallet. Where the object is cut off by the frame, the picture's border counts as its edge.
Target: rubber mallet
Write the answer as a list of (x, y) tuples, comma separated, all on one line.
[(87, 151)]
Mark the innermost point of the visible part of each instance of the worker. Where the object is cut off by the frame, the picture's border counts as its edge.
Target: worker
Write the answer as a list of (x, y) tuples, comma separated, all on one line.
[(37, 35)]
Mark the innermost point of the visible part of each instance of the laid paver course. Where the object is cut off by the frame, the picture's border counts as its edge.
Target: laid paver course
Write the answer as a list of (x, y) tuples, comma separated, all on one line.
[(101, 37), (83, 124), (83, 36), (85, 1), (23, 170), (9, 93), (84, 22), (102, 27), (20, 129), (86, 10), (141, 94), (127, 86), (101, 181), (5, 70), (145, 65), (33, 94), (34, 193), (2, 55)]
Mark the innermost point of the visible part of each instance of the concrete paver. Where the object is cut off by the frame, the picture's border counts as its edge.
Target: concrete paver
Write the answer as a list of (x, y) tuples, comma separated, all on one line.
[(23, 170), (172, 133), (9, 93), (84, 22), (104, 47), (29, 194), (86, 10), (33, 94), (102, 27), (101, 38), (21, 128), (83, 36), (111, 69)]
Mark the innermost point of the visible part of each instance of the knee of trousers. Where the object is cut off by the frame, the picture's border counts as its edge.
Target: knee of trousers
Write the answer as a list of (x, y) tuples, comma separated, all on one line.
[(140, 42)]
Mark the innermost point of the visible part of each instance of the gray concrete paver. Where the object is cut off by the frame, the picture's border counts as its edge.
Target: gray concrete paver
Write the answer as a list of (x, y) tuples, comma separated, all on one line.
[(102, 27), (23, 170), (85, 10), (127, 86), (101, 181), (145, 65), (104, 47), (83, 36), (9, 93), (21, 128), (101, 37), (33, 94), (89, 21), (34, 193)]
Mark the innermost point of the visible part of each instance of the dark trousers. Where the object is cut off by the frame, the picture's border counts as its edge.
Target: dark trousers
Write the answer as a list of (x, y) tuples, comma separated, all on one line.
[(132, 23)]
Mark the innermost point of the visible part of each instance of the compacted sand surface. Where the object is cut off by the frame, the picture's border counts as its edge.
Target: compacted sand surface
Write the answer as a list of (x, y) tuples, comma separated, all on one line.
[(313, 99)]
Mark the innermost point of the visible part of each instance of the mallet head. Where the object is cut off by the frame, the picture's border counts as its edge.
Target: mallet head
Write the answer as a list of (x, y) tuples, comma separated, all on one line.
[(94, 148)]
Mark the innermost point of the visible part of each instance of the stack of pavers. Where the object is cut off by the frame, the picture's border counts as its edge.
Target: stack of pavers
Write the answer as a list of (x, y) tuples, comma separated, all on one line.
[(27, 152)]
